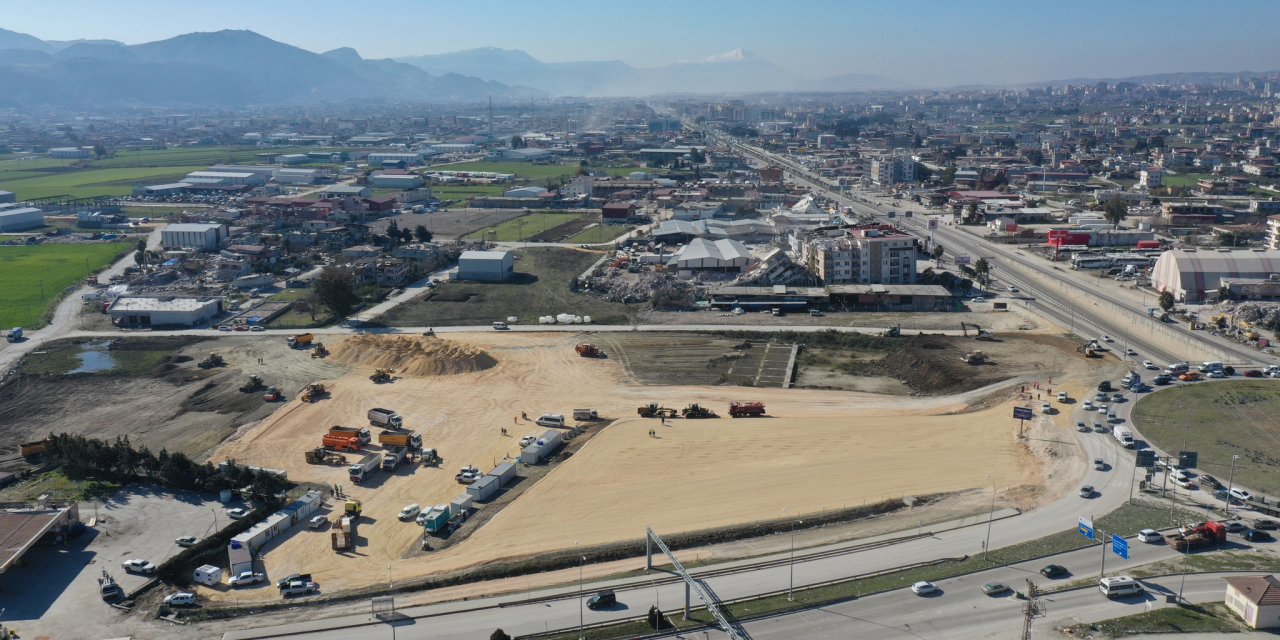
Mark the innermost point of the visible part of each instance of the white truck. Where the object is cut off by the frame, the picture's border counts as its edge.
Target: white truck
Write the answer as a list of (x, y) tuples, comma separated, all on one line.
[(550, 420), (385, 418), (1123, 435), (585, 414), (392, 456), (364, 468)]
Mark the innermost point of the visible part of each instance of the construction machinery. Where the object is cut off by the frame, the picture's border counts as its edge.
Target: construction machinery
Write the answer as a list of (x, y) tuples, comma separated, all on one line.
[(364, 435), (385, 418), (320, 350), (353, 508), (974, 358), (393, 455), (400, 439), (979, 332), (339, 442), (653, 410), (892, 332), (273, 395), (301, 340), (213, 360), (253, 384), (314, 392), (382, 375), (320, 455), (588, 350), (343, 535), (1089, 349), (32, 449), (697, 411)]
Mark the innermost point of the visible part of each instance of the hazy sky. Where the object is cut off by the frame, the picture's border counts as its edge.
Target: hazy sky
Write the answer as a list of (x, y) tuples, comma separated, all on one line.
[(924, 42)]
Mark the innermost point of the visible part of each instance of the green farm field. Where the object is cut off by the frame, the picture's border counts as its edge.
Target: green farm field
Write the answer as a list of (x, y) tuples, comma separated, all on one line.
[(27, 272), (530, 171), (523, 228)]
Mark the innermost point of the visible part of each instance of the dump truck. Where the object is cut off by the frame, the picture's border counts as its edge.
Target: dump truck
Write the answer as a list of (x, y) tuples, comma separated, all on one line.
[(301, 340), (392, 456), (252, 384), (1209, 534), (385, 418), (381, 375), (343, 535), (653, 410), (746, 409), (30, 449), (400, 439), (585, 414), (588, 350), (314, 392), (697, 411), (320, 350), (211, 361), (339, 442), (362, 433), (436, 519), (364, 468)]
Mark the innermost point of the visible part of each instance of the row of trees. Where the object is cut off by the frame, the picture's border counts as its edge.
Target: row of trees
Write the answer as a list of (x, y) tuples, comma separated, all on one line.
[(84, 458), (397, 235)]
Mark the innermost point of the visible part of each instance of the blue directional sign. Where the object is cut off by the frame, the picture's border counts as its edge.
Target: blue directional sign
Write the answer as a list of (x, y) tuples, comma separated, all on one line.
[(1086, 527), (1022, 413), (1120, 546)]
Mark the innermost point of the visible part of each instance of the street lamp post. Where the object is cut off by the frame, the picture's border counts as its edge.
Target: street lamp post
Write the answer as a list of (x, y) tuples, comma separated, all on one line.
[(581, 560), (986, 546), (1231, 481), (791, 582)]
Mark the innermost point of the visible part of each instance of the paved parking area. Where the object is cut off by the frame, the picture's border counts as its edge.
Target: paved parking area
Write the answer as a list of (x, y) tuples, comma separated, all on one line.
[(55, 592)]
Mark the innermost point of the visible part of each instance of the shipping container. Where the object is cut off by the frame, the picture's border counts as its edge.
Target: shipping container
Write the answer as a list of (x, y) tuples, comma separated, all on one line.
[(484, 488), (504, 472)]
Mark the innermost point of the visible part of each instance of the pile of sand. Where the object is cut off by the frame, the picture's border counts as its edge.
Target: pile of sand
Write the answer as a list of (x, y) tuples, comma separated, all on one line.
[(412, 355)]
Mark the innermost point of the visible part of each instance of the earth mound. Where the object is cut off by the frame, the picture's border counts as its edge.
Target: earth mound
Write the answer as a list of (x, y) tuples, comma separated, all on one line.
[(412, 355)]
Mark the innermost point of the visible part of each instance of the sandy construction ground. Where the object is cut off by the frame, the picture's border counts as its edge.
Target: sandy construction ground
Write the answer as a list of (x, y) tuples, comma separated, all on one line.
[(819, 450)]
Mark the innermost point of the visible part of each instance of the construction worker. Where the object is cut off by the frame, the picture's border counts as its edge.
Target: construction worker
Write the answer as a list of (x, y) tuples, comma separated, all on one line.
[(524, 416)]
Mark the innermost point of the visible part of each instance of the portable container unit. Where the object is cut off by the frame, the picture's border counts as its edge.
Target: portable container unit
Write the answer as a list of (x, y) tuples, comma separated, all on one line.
[(437, 518), (460, 506), (504, 472), (208, 575), (484, 488)]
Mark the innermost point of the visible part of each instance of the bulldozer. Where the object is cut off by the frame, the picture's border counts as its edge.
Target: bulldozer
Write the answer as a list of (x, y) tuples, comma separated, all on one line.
[(314, 392), (892, 332), (214, 360), (652, 410), (319, 351), (974, 357), (588, 350), (698, 411), (382, 375), (979, 332), (253, 384)]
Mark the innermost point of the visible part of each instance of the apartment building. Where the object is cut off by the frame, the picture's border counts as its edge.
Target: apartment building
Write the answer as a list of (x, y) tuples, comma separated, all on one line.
[(891, 170), (862, 255)]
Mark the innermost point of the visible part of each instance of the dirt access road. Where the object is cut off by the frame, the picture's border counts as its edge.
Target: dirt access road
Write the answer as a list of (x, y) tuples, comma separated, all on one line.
[(819, 450)]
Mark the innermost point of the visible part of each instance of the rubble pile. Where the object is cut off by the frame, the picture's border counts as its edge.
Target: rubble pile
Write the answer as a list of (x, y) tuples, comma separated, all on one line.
[(617, 285)]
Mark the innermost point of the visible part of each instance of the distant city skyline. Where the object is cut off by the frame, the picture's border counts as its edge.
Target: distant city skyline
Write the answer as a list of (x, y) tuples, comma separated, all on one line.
[(929, 43)]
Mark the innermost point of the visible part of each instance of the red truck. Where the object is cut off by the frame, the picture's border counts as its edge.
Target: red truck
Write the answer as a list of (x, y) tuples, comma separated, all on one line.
[(339, 442), (1208, 534), (741, 409)]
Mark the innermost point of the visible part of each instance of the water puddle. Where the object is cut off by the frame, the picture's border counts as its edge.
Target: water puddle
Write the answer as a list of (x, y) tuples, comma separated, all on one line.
[(95, 357)]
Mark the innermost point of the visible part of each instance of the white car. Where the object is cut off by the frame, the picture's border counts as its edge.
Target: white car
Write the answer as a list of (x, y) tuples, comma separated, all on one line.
[(1240, 494), (257, 327), (1216, 373), (317, 522), (409, 512), (138, 565), (246, 578), (978, 299), (1130, 352), (527, 440), (187, 541), (235, 513), (924, 588), (1107, 339), (181, 599), (1147, 364), (1150, 536), (1012, 289)]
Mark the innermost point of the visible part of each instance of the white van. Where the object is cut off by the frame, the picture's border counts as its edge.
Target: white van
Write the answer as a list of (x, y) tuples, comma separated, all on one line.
[(1177, 368), (1150, 536), (1210, 365), (1119, 587), (550, 420), (500, 325)]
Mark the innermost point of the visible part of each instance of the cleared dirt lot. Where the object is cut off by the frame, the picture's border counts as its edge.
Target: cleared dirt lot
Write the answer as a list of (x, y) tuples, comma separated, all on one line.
[(699, 358), (450, 225), (155, 394), (819, 450)]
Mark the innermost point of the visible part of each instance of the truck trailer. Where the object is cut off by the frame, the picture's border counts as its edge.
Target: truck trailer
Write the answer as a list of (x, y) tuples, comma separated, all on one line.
[(1209, 534), (341, 442), (745, 409), (400, 438), (1123, 435), (363, 434), (364, 468), (392, 456), (436, 519), (385, 418)]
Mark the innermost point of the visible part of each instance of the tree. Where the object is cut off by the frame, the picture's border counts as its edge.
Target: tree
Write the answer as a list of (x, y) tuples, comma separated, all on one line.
[(99, 151), (1035, 156), (406, 235), (696, 156), (393, 232), (937, 252), (1115, 211), (982, 268), (336, 289), (517, 142), (499, 634), (1224, 293), (141, 256), (949, 175), (422, 234), (1166, 300)]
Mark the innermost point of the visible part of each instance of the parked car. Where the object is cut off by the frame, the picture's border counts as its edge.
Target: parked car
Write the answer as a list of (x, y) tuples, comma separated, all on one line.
[(1053, 571), (291, 578), (187, 541), (246, 578), (317, 522), (924, 588), (995, 588), (1263, 524), (1234, 526), (299, 588), (1210, 481), (1239, 494), (138, 565), (180, 599), (235, 513), (1253, 535), (409, 512)]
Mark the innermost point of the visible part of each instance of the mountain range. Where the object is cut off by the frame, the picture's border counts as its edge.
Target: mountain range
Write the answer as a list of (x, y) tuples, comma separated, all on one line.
[(736, 71), (223, 69)]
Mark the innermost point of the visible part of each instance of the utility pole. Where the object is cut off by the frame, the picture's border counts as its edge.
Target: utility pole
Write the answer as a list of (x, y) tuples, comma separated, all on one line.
[(986, 546), (1031, 610), (1231, 480)]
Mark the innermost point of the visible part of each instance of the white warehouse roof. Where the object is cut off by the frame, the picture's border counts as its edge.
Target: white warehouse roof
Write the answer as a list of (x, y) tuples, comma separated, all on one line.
[(1188, 274), (159, 304), (723, 250), (192, 227)]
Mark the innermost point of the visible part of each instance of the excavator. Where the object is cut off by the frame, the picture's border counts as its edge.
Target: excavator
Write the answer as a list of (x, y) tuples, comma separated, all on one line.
[(382, 375), (253, 384), (319, 351), (214, 360), (979, 332)]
